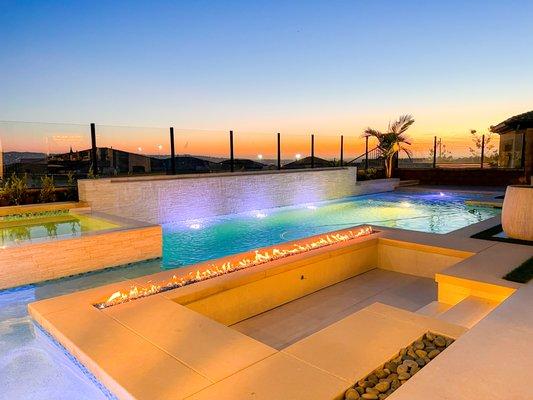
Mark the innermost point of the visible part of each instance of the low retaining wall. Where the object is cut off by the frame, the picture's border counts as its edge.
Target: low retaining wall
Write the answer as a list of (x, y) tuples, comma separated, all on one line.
[(461, 176), (376, 186), (162, 199)]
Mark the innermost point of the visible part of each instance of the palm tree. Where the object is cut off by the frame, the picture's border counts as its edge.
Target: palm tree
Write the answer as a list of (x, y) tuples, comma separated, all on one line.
[(392, 141)]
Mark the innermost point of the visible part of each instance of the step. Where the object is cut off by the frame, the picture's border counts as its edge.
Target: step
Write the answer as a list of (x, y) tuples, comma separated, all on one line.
[(433, 309), (468, 312), (410, 182), (342, 349)]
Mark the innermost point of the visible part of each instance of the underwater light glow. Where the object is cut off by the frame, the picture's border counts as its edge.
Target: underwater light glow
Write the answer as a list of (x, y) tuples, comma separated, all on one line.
[(195, 226), (405, 204), (260, 215), (311, 207)]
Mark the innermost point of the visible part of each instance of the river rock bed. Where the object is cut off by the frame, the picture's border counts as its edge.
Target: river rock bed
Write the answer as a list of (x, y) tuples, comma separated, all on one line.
[(383, 381)]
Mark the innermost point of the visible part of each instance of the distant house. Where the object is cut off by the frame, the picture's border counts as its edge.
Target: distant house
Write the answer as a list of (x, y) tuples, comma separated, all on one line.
[(516, 142), (306, 163)]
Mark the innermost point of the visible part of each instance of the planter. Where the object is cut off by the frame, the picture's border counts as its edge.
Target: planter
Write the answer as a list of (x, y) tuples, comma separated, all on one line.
[(517, 212)]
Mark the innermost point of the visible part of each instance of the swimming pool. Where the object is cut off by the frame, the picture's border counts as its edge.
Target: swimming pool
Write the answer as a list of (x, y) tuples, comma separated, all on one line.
[(33, 367), (186, 242)]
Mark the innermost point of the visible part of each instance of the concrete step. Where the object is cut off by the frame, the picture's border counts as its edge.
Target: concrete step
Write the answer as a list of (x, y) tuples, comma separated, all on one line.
[(411, 182), (380, 327), (433, 309), (468, 312)]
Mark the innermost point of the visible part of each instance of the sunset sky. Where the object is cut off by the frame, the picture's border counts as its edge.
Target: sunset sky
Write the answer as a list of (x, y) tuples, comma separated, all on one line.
[(298, 67)]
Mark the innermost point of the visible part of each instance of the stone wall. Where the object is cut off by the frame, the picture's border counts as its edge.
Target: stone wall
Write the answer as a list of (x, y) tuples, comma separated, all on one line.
[(162, 199)]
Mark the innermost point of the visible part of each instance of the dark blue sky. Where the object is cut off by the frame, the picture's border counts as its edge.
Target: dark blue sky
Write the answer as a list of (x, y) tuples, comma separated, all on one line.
[(292, 65)]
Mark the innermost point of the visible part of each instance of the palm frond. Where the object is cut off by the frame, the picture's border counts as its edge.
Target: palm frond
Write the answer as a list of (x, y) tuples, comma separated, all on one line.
[(372, 133), (401, 124), (407, 151)]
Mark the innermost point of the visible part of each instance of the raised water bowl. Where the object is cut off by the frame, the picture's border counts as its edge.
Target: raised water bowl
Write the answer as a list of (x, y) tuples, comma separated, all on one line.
[(517, 212)]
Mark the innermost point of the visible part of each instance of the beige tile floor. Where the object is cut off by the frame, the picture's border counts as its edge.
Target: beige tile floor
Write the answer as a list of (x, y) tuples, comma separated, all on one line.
[(291, 322)]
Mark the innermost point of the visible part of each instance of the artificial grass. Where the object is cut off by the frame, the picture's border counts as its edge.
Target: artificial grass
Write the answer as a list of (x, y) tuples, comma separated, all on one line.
[(522, 274)]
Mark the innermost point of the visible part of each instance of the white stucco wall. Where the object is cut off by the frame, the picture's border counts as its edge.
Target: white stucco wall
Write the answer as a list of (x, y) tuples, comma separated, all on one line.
[(161, 199)]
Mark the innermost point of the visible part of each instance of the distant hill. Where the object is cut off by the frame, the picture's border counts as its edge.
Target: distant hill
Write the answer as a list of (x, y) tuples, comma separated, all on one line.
[(12, 157)]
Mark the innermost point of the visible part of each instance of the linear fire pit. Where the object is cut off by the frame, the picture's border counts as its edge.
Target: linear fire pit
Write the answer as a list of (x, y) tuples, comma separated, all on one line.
[(233, 264)]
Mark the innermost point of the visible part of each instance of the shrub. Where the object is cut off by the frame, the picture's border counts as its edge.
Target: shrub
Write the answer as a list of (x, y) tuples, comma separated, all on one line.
[(367, 174), (47, 193), (14, 189), (71, 186)]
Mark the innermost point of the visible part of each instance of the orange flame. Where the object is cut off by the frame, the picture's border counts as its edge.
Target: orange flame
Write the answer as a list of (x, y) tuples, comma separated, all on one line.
[(226, 266)]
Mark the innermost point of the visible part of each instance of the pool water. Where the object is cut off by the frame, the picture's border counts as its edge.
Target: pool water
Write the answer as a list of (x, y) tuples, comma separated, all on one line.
[(45, 227), (186, 242), (33, 367)]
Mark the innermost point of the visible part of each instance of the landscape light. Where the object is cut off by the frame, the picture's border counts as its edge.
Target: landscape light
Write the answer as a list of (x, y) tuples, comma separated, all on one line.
[(298, 156), (260, 156)]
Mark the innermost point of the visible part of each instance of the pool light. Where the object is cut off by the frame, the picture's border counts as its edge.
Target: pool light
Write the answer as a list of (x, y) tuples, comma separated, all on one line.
[(441, 194), (260, 215), (195, 226), (311, 207), (405, 204), (212, 269)]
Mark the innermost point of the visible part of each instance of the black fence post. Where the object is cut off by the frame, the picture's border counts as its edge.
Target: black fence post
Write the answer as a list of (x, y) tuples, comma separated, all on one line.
[(312, 151), (172, 152), (434, 151), (482, 150), (231, 159), (279, 151), (366, 153), (342, 150), (94, 154)]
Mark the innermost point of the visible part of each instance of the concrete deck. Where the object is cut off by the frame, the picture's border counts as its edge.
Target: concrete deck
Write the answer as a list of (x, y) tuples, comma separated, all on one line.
[(203, 359), (291, 322)]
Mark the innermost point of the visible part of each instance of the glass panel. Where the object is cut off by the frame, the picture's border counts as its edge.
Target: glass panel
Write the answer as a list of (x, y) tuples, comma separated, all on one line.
[(33, 150), (295, 151), (201, 151), (130, 150), (255, 151), (327, 150)]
